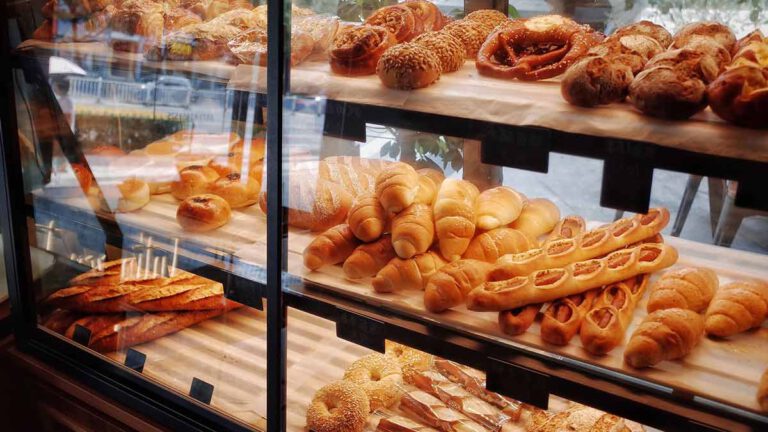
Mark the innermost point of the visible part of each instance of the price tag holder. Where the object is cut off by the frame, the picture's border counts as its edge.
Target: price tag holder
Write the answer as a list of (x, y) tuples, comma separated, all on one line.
[(201, 391), (518, 382), (135, 360), (360, 329), (81, 335), (695, 426)]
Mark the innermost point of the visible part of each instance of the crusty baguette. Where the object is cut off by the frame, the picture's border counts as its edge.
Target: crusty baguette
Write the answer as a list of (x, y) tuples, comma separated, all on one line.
[(592, 244), (551, 284), (666, 334), (449, 286), (762, 392), (568, 227), (331, 247), (60, 320), (492, 245), (737, 307), (517, 321), (563, 317), (366, 218), (604, 326), (397, 186), (369, 258), (429, 183), (413, 230), (539, 216), (411, 273), (498, 206), (455, 217), (687, 288)]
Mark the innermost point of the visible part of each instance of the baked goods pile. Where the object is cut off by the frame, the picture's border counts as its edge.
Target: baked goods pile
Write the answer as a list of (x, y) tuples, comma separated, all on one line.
[(123, 304), (406, 390), (81, 20), (675, 77)]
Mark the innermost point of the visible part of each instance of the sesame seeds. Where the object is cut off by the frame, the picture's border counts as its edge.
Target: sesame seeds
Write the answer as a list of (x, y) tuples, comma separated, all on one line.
[(408, 66), (447, 48), (469, 35)]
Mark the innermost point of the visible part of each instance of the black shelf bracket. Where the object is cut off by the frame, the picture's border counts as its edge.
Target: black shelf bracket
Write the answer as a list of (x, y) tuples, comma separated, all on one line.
[(81, 335), (360, 329), (627, 176), (344, 120), (135, 360), (526, 149), (201, 391)]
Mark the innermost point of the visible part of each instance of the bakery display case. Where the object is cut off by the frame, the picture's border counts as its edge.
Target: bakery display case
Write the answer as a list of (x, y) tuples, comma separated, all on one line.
[(410, 216)]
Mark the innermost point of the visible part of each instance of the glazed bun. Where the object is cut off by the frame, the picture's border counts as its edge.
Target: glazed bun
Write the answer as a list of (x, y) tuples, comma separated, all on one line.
[(717, 31), (193, 180), (238, 192), (408, 66), (665, 92), (204, 212), (595, 81)]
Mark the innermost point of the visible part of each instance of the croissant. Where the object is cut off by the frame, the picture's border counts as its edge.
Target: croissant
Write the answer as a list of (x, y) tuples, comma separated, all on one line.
[(737, 307), (396, 187), (331, 247), (762, 391), (411, 273), (429, 183), (455, 217), (498, 206), (369, 258), (687, 288), (491, 245), (413, 230), (366, 217), (449, 286), (539, 216), (666, 334)]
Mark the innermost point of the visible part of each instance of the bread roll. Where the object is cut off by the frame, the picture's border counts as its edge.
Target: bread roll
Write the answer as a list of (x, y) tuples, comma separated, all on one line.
[(411, 273), (762, 391), (595, 81), (367, 218), (413, 230), (539, 216), (517, 321), (714, 30), (408, 66), (568, 228), (204, 212), (313, 204), (737, 307), (687, 288), (492, 245), (689, 63), (429, 183), (664, 92), (646, 28), (193, 180), (563, 317), (369, 258), (449, 286), (739, 95), (331, 247), (455, 217), (497, 207), (238, 192), (134, 194), (666, 334), (396, 187)]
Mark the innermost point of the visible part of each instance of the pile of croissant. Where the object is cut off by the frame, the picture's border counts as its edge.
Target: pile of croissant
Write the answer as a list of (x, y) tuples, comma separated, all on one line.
[(675, 77)]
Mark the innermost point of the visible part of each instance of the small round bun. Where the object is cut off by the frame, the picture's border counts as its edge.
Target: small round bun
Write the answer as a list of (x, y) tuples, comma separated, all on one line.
[(238, 192), (408, 66), (447, 48), (665, 92), (740, 96), (338, 407), (721, 33), (379, 376), (201, 213), (646, 28), (193, 180), (710, 47), (595, 81), (134, 195)]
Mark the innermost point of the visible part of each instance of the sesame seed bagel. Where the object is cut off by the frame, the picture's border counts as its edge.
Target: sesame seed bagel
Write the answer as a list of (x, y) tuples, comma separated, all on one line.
[(447, 48), (379, 376), (408, 66), (411, 360), (469, 33), (338, 407)]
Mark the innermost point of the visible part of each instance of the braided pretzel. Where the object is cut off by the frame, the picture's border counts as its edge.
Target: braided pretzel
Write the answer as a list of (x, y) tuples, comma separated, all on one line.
[(591, 244), (535, 49), (551, 284)]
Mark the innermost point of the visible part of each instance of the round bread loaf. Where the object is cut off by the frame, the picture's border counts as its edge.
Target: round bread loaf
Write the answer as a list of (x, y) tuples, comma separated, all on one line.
[(595, 81), (447, 48), (665, 92), (408, 66)]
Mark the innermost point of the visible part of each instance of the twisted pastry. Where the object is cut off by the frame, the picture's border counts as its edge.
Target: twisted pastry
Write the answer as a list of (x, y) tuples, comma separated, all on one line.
[(449, 286), (687, 288), (399, 20), (357, 50), (737, 307), (666, 334)]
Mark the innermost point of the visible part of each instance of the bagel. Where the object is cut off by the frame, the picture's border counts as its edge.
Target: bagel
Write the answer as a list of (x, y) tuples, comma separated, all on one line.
[(338, 407), (379, 376)]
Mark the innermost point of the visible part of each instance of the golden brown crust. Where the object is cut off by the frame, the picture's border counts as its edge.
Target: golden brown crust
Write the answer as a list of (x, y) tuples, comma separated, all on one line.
[(647, 28), (338, 407), (490, 17), (449, 286), (633, 51), (740, 96), (367, 218), (408, 66), (331, 247), (665, 92), (714, 30), (379, 376), (469, 34), (449, 50), (686, 288), (539, 216), (517, 321), (455, 217), (238, 192), (356, 51), (413, 231), (595, 81), (204, 212), (396, 187), (737, 307), (193, 180), (399, 20), (427, 12), (314, 204), (492, 245), (666, 334), (562, 319), (404, 274), (369, 258)]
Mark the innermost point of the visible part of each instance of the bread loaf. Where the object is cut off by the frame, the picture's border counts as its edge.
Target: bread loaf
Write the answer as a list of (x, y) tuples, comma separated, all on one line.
[(737, 307), (413, 230), (687, 288), (429, 183), (369, 258), (396, 187), (497, 207), (411, 273), (331, 247), (666, 334), (313, 204), (539, 216), (366, 218), (455, 217), (449, 286), (492, 245)]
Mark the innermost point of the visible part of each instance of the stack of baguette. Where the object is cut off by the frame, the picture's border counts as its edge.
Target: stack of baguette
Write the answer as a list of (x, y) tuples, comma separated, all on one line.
[(122, 306)]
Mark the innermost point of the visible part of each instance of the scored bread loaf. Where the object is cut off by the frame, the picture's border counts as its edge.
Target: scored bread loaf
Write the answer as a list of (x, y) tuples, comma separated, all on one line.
[(687, 288), (539, 216), (369, 258), (497, 207), (396, 187), (429, 183), (313, 204), (366, 218), (492, 245), (455, 217), (331, 247), (449, 286), (666, 334), (737, 307), (411, 273), (413, 230)]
